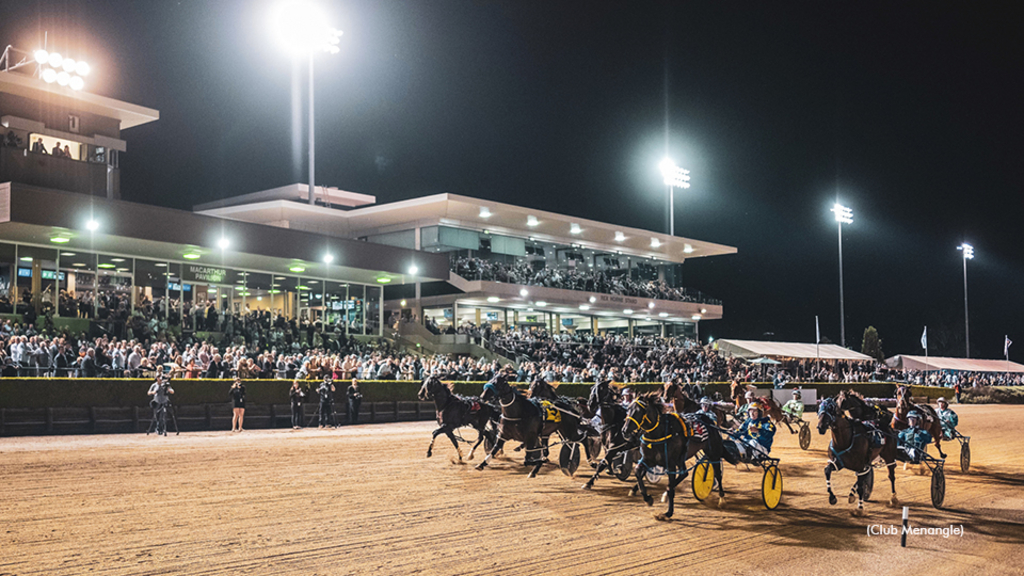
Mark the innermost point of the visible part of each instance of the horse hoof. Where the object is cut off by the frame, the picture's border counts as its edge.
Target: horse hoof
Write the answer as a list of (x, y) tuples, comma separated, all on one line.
[(479, 466), (633, 491), (429, 453), (721, 501), (470, 457), (585, 487), (532, 475), (649, 500), (852, 499), (663, 517), (832, 499), (857, 512), (894, 501), (457, 462)]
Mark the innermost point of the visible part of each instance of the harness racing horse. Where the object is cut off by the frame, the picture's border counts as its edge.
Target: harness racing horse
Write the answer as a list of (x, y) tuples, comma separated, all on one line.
[(852, 448), (574, 425), (454, 412), (674, 395), (669, 440), (904, 406), (605, 397), (853, 403), (521, 420)]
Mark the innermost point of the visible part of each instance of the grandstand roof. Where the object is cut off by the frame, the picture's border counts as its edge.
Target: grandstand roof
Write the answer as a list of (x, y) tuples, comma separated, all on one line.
[(464, 212), (755, 348), (905, 362)]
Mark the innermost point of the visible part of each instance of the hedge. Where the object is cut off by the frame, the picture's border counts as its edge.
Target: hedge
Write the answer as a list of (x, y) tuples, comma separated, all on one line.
[(86, 392)]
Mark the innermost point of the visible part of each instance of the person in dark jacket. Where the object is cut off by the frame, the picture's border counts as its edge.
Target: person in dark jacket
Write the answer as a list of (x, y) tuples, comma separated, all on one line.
[(237, 395), (216, 367), (296, 395), (355, 400), (89, 369)]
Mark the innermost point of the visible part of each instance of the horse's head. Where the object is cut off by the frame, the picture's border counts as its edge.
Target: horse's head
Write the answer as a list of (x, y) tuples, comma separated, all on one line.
[(828, 413), (642, 415), (539, 388), (496, 388), (430, 386)]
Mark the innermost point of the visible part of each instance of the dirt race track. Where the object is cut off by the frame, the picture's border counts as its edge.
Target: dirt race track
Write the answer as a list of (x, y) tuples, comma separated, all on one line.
[(364, 500)]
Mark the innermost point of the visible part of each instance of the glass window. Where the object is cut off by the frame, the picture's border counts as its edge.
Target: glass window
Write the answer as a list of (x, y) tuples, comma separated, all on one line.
[(373, 310), (8, 278), (113, 293), (37, 280), (354, 311)]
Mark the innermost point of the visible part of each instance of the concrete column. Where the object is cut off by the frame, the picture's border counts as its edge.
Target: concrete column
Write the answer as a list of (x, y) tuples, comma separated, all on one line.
[(455, 314), (417, 244), (505, 311), (629, 323), (593, 325), (37, 284), (478, 315), (515, 317), (558, 323)]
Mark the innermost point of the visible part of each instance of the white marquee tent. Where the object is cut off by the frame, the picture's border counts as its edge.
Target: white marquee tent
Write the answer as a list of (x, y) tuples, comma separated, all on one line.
[(757, 348), (905, 362)]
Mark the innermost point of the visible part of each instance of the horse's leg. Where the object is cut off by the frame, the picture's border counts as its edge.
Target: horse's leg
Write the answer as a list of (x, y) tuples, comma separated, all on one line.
[(854, 492), (894, 501), (479, 440), (673, 480), (828, 483), (604, 463), (455, 442), (641, 470), (498, 444), (717, 467), (433, 438), (859, 486)]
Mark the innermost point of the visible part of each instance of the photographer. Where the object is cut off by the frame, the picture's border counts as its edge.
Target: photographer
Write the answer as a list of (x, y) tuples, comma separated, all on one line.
[(326, 392), (296, 395), (160, 391), (237, 395), (355, 400)]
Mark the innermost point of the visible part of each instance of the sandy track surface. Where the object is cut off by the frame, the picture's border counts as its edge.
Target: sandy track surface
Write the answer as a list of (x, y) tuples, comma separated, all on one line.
[(364, 500)]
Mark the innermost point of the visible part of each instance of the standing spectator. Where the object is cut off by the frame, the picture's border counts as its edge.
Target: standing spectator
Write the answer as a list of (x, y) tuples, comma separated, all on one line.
[(355, 400), (237, 395), (296, 394)]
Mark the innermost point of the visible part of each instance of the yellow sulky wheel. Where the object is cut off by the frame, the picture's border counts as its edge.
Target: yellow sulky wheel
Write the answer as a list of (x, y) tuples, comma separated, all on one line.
[(703, 480), (771, 487)]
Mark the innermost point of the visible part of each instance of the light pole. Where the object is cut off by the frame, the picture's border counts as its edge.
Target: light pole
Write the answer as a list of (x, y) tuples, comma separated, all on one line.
[(968, 252), (675, 177), (302, 28), (844, 215)]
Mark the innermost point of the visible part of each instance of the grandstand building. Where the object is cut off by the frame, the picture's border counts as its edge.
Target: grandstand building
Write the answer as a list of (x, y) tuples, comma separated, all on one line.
[(509, 265)]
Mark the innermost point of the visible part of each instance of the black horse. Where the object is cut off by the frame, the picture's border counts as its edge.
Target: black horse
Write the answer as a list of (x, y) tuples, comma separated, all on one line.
[(563, 415), (605, 397), (855, 447), (454, 412), (521, 420)]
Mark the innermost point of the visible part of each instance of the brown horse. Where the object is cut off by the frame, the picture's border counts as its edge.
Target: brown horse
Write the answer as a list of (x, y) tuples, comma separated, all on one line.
[(678, 401), (852, 448), (932, 424)]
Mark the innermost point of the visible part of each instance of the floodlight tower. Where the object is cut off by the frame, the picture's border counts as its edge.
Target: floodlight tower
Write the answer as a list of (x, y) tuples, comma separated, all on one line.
[(843, 215), (968, 253), (302, 28), (675, 177)]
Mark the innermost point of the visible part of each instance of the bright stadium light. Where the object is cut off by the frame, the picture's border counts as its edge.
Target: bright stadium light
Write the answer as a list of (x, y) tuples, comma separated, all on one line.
[(574, 228), (223, 243), (302, 28), (524, 292), (414, 270), (843, 215), (68, 65), (531, 221), (55, 59), (41, 56), (655, 243), (82, 68), (674, 177), (77, 83), (968, 254), (92, 225), (620, 237), (49, 75), (64, 71), (485, 213)]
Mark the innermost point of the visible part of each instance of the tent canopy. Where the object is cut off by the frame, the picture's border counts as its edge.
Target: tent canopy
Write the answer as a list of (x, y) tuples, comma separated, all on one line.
[(753, 348), (905, 362)]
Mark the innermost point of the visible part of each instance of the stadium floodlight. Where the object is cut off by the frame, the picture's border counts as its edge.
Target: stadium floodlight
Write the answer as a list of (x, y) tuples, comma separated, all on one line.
[(301, 28), (574, 228), (49, 75), (620, 237), (674, 177), (484, 212), (92, 225), (64, 71), (655, 243), (55, 60), (68, 65), (524, 292), (493, 299), (968, 254), (82, 68), (223, 243), (843, 214), (531, 221), (76, 83), (414, 270)]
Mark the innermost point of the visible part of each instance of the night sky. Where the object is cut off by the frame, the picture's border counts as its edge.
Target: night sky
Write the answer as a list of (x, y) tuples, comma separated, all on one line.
[(911, 114)]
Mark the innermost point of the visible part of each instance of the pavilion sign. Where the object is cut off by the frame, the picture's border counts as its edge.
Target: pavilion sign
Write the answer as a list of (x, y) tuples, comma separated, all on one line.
[(205, 274)]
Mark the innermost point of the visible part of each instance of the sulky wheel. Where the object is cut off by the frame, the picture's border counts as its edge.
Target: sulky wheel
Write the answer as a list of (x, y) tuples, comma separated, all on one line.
[(569, 458), (805, 436), (653, 475), (938, 487), (626, 469), (703, 481), (869, 484), (771, 487), (965, 456)]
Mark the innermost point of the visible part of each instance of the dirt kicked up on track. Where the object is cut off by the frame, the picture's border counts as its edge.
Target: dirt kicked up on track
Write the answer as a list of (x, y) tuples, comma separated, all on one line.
[(364, 500)]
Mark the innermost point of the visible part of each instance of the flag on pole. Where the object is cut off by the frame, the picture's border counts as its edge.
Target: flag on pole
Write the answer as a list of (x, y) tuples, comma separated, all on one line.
[(924, 338), (817, 331), (1006, 346)]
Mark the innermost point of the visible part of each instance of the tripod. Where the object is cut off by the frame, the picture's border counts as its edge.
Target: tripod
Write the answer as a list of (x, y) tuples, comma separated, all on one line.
[(161, 412), (316, 416)]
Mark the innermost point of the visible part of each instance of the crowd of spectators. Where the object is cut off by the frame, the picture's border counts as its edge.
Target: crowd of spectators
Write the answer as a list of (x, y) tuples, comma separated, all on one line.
[(265, 345), (609, 281)]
